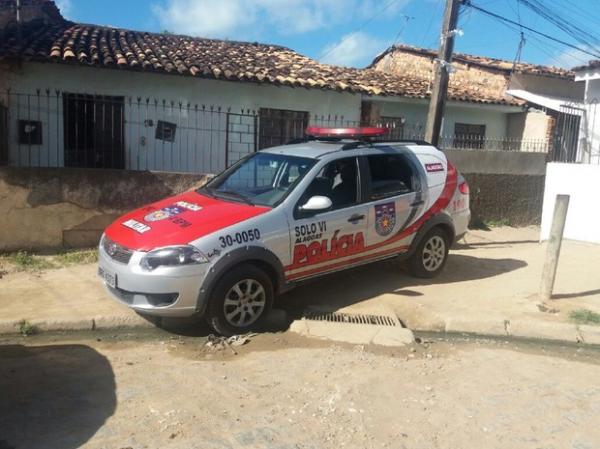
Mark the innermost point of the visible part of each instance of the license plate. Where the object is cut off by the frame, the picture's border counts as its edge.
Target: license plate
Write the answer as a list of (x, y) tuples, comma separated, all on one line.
[(109, 278)]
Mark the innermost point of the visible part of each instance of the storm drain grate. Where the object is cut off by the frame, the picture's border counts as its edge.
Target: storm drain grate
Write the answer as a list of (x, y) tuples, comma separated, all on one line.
[(337, 317)]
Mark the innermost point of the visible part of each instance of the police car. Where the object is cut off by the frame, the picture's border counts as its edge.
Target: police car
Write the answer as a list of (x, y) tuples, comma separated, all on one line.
[(335, 200)]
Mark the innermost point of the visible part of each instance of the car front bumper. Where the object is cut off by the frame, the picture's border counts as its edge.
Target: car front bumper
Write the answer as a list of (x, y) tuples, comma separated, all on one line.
[(165, 291)]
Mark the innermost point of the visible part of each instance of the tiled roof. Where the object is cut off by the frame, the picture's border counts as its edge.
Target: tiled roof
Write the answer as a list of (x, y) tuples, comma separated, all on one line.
[(593, 64), (475, 77), (91, 45), (493, 64)]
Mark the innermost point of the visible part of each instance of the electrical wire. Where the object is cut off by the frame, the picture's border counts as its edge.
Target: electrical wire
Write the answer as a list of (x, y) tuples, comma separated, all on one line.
[(469, 4), (567, 26)]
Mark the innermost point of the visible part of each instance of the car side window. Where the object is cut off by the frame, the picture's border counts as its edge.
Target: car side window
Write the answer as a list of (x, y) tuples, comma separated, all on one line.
[(338, 181), (391, 175)]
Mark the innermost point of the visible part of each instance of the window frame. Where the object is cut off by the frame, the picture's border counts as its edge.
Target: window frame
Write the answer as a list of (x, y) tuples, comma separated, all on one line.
[(369, 178), (470, 140), (300, 215)]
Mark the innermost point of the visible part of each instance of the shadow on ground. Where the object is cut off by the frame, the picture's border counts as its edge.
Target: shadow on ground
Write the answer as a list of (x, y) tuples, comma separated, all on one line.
[(476, 245), (342, 289), (61, 403), (353, 286), (577, 294)]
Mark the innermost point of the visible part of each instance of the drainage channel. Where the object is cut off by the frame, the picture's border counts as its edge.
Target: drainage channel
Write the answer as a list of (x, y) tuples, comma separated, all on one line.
[(340, 317)]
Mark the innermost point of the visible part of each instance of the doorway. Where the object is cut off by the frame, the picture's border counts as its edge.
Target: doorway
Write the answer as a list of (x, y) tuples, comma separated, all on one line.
[(94, 131)]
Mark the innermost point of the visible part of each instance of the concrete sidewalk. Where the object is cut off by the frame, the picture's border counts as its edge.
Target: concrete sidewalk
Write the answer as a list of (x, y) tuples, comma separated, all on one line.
[(489, 287), (70, 298)]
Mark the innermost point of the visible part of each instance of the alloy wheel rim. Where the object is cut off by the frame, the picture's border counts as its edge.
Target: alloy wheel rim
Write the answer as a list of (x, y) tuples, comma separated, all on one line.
[(434, 253), (244, 303)]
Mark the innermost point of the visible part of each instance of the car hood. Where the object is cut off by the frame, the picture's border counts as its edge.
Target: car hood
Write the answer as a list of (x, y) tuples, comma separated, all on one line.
[(178, 220)]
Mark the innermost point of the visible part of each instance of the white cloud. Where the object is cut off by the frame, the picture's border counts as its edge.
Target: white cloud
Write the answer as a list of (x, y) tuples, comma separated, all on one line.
[(224, 18), (65, 6), (352, 50), (239, 19)]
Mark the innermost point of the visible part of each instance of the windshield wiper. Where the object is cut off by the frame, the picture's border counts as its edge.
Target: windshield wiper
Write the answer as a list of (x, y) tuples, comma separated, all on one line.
[(237, 195), (208, 191)]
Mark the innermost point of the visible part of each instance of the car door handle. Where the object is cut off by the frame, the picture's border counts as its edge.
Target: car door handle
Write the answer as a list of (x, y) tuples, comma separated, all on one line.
[(356, 218), (417, 203)]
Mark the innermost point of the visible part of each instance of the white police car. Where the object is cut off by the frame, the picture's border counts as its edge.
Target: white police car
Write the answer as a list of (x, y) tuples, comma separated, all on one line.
[(283, 215)]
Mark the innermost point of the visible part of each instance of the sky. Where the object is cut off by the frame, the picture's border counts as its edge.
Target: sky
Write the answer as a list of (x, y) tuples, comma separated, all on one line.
[(348, 32)]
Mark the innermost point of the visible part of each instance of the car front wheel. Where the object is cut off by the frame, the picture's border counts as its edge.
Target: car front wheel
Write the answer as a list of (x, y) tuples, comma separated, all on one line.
[(430, 255), (240, 301)]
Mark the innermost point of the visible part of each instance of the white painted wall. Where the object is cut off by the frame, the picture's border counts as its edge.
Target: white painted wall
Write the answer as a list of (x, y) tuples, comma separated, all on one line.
[(582, 183), (200, 138), (589, 135), (415, 113)]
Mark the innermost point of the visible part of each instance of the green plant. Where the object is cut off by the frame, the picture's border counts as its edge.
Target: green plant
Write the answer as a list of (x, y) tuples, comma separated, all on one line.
[(26, 328), (77, 257), (498, 222), (585, 316), (25, 261)]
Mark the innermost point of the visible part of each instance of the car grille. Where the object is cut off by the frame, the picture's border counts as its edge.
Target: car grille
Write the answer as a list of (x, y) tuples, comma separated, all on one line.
[(116, 251)]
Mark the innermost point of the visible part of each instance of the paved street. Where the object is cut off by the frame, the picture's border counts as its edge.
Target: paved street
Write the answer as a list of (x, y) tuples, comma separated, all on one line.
[(156, 390)]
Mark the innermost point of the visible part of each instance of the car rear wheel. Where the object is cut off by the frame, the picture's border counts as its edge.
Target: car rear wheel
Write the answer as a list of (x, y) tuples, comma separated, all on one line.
[(431, 254), (240, 301)]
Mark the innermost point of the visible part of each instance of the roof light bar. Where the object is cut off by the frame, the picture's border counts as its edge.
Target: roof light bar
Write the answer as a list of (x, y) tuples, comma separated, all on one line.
[(346, 133)]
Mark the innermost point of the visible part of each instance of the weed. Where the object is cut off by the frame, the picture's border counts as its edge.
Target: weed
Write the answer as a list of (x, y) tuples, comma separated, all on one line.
[(497, 223), (26, 328), (585, 316), (77, 257), (25, 261)]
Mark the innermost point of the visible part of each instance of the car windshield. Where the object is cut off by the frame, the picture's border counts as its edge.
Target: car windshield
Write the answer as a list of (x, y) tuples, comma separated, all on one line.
[(263, 179)]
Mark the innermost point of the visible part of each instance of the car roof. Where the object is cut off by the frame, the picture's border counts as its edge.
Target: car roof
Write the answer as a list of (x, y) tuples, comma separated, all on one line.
[(315, 149)]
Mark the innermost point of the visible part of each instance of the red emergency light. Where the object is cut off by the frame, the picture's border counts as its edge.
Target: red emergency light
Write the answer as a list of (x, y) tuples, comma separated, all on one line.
[(346, 133)]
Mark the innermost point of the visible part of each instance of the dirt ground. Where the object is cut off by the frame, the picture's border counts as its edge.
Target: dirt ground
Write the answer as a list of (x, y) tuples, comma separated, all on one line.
[(158, 390)]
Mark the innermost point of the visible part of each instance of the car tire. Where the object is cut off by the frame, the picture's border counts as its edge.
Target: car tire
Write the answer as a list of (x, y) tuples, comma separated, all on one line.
[(431, 254), (240, 301)]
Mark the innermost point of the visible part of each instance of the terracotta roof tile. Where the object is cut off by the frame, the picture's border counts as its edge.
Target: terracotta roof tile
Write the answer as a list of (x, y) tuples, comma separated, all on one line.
[(83, 44), (476, 78)]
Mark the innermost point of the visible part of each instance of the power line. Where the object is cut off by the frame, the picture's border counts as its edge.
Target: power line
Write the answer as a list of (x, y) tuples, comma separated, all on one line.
[(547, 36), (568, 26)]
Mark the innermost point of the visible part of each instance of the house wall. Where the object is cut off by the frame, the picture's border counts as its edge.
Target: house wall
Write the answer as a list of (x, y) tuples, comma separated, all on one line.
[(545, 85), (494, 118), (589, 131), (528, 131), (54, 208), (57, 208), (204, 134), (582, 183)]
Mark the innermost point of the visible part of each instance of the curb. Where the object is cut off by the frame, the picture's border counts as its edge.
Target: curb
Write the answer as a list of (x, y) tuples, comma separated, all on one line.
[(358, 334), (560, 332), (13, 327)]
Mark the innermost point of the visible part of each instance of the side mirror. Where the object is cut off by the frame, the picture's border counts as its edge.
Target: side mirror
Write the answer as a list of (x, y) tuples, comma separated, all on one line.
[(316, 203)]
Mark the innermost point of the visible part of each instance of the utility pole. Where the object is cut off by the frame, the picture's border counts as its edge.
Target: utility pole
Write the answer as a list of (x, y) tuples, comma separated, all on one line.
[(442, 66), (561, 207)]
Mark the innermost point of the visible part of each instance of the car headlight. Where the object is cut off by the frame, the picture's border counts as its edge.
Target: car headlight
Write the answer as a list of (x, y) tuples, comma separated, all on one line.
[(172, 256)]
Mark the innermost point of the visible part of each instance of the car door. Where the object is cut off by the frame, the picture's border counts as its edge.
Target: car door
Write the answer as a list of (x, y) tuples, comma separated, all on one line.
[(335, 237), (394, 198)]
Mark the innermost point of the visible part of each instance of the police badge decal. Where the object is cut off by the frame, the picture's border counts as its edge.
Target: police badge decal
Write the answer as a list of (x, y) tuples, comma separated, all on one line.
[(385, 218)]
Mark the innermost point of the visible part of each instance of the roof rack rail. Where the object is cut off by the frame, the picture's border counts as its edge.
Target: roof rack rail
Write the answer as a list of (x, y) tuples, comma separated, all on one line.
[(414, 141)]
